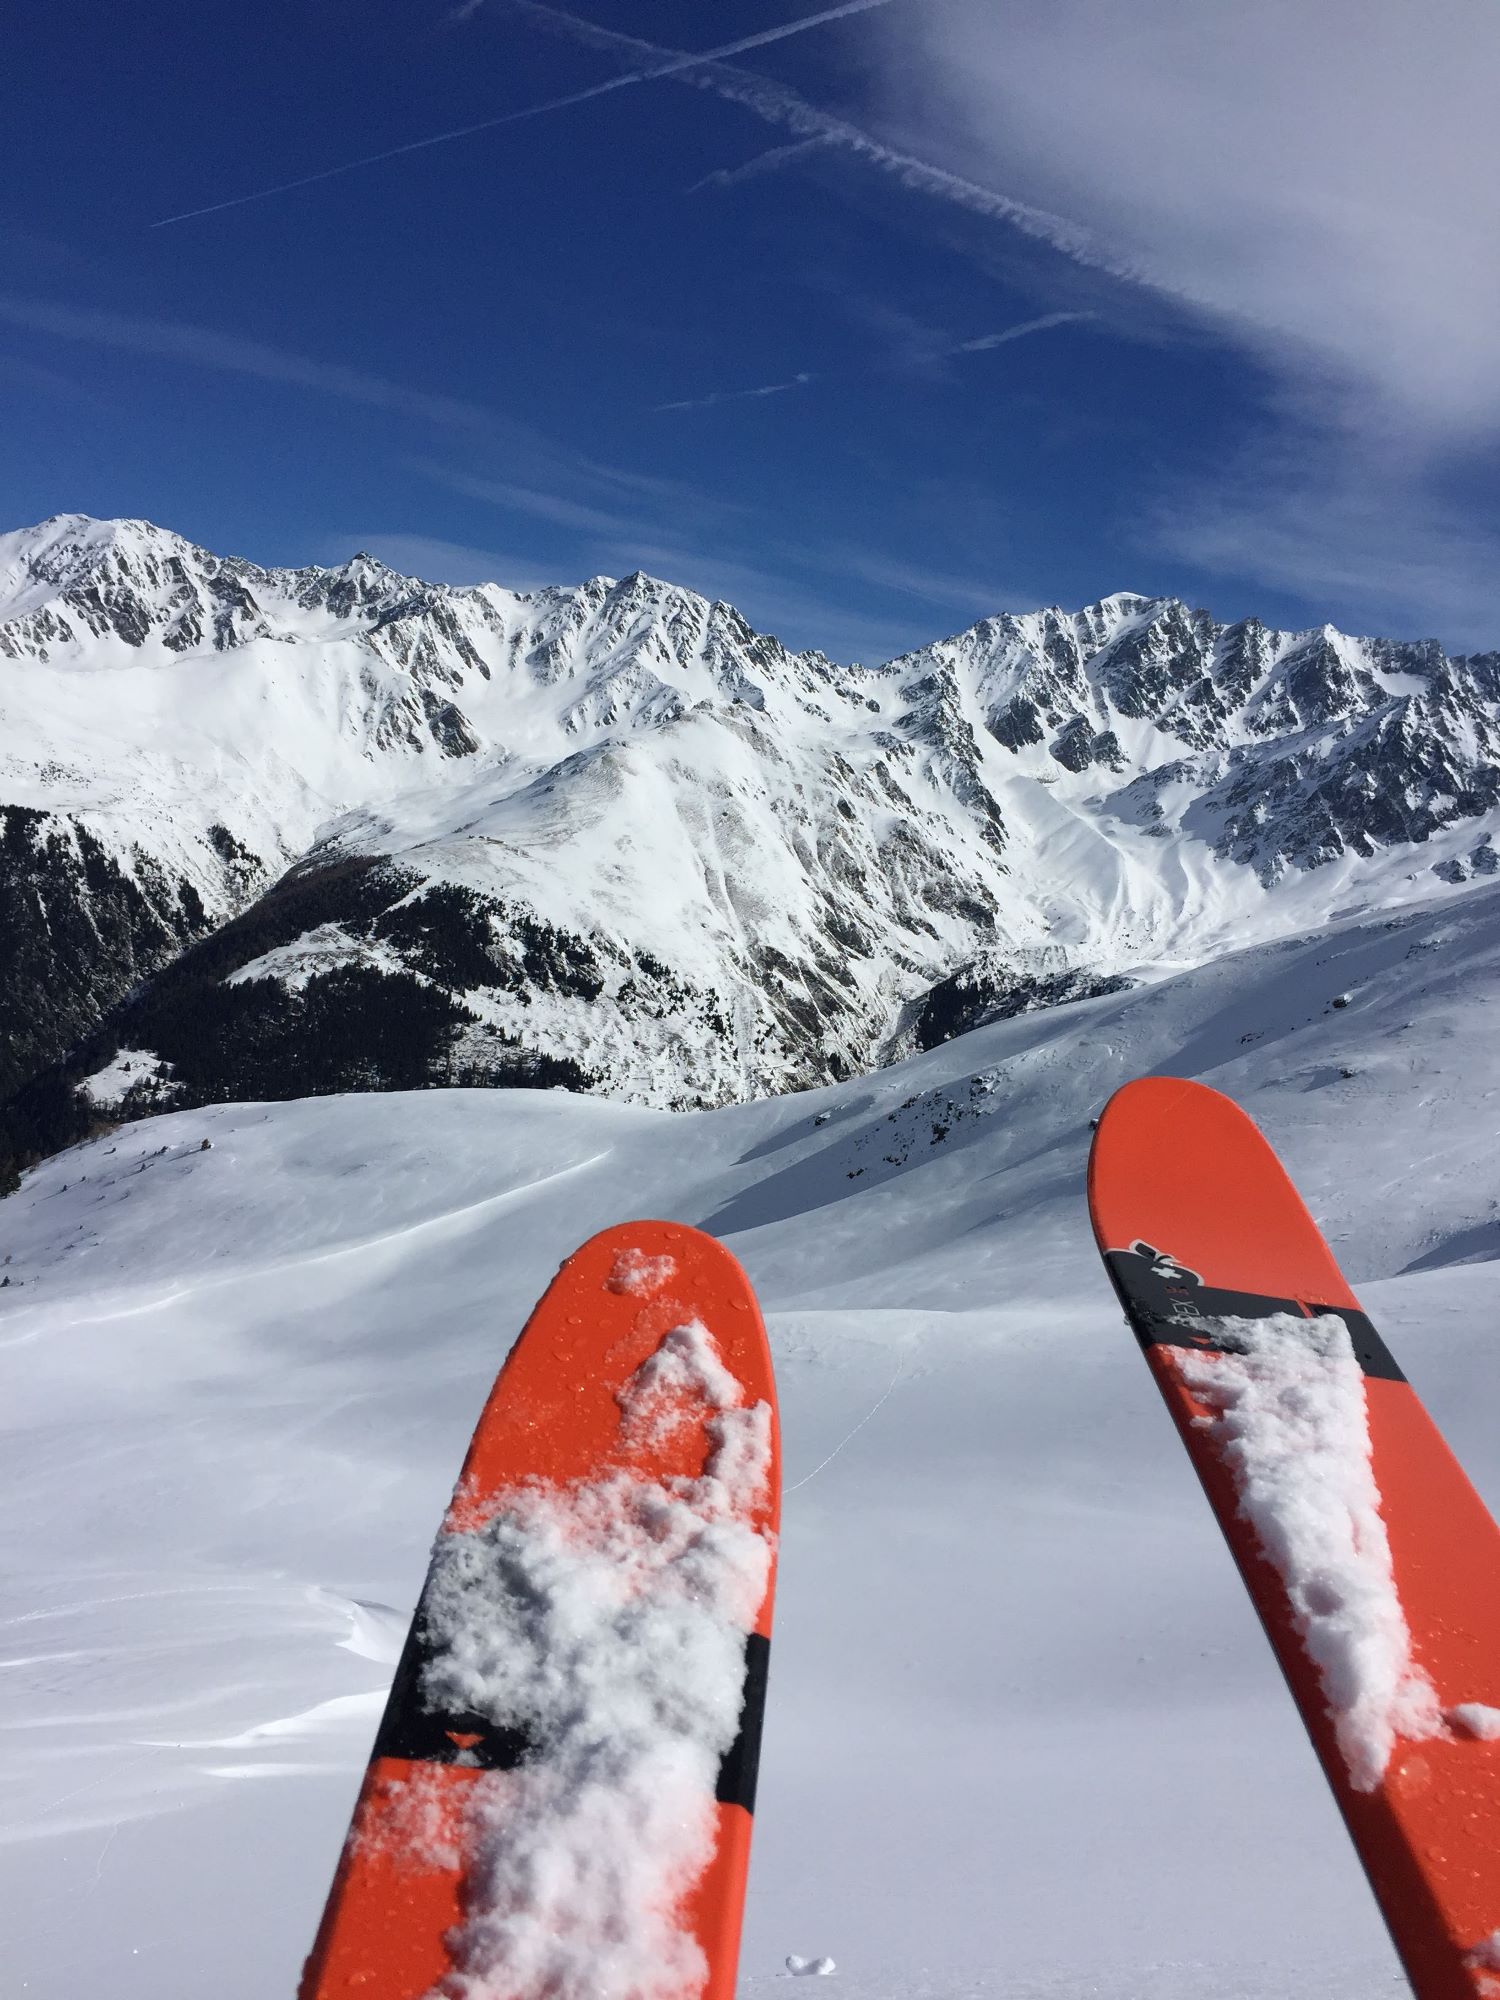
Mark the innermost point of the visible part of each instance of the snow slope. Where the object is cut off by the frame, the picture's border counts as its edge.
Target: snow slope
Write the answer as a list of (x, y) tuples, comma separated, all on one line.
[(1024, 1738), (613, 827)]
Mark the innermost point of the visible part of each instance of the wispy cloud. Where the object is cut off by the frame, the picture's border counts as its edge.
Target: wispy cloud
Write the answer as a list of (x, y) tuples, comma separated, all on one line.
[(660, 489), (738, 395), (929, 586), (620, 500), (1364, 542), (205, 347), (557, 476), (661, 63), (1349, 266), (533, 502), (1354, 253)]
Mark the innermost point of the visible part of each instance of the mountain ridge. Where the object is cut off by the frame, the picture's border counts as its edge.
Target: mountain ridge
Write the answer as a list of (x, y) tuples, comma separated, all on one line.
[(609, 836)]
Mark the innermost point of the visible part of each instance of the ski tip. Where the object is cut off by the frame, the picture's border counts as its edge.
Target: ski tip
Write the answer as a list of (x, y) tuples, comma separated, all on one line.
[(654, 1235), (1151, 1111), (1155, 1098), (662, 1266), (628, 1292), (1180, 1167)]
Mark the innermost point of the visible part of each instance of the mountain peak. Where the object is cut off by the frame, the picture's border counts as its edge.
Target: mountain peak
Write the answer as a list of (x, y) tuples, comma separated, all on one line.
[(77, 559), (68, 545), (363, 564), (1128, 602)]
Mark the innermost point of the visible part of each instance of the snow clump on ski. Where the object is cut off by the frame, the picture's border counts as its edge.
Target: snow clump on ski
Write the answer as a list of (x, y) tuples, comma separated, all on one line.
[(606, 1622), (1290, 1414)]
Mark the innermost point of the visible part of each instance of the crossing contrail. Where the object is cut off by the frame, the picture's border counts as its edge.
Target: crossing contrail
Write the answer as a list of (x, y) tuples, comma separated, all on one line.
[(669, 63), (777, 105)]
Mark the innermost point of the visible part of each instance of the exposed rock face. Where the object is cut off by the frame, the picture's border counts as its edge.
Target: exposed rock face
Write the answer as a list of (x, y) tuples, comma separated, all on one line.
[(996, 987), (332, 828), (78, 929)]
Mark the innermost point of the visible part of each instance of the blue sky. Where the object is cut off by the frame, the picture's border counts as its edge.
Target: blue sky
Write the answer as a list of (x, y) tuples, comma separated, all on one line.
[(935, 308)]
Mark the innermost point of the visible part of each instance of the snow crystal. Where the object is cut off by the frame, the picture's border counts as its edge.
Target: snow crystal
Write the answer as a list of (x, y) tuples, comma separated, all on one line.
[(800, 1968), (607, 1622), (1476, 1718), (1290, 1413), (634, 1271), (422, 1821)]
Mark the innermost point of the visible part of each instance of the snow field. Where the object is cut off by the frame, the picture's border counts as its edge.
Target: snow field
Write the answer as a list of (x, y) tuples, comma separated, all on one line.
[(1024, 1738)]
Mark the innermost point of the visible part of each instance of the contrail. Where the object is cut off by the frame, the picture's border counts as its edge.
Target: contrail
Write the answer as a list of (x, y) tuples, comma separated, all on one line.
[(666, 63), (763, 163), (737, 395), (979, 345), (778, 105), (988, 340)]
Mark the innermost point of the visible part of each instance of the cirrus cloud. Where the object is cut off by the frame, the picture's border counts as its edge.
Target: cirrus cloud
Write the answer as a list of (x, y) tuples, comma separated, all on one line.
[(1316, 180)]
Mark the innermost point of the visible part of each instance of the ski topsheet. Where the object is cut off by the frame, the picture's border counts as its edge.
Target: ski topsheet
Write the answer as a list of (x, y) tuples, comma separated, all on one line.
[(558, 1801), (1372, 1562)]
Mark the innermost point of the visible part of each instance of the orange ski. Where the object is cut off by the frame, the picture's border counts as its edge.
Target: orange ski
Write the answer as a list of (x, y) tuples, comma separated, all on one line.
[(1372, 1562), (559, 1798)]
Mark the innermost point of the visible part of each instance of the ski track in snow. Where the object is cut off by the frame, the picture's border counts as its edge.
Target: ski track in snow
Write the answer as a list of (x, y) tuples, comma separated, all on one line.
[(1011, 1654), (849, 1438)]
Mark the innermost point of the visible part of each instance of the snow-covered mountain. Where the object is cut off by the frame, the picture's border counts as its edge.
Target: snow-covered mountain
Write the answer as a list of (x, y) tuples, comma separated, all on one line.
[(1025, 1740), (324, 829)]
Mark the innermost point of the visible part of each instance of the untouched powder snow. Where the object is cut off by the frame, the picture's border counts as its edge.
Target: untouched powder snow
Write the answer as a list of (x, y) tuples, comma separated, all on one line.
[(1294, 1428), (607, 1623)]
